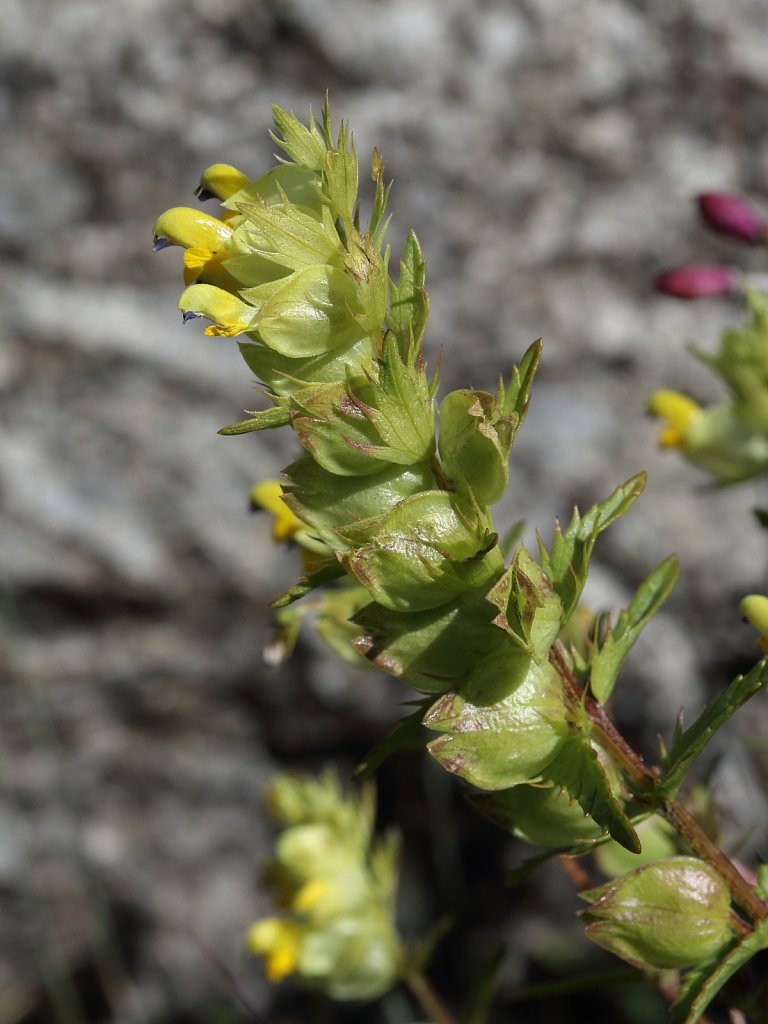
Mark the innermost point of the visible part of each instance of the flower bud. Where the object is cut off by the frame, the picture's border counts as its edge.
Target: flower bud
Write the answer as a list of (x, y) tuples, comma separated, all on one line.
[(697, 282), (731, 216), (754, 608), (672, 913)]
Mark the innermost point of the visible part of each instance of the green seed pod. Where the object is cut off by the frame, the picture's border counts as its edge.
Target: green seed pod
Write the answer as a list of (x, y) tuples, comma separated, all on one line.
[(673, 912)]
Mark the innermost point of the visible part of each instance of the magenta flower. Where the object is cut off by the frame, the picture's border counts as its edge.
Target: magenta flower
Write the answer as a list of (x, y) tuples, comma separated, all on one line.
[(731, 216), (698, 282)]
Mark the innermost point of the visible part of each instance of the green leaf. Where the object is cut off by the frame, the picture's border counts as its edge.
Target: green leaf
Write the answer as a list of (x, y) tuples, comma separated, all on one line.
[(401, 408), (544, 815), (341, 174), (352, 429), (305, 146), (577, 769), (568, 562), (265, 419), (610, 651), (306, 584), (513, 400), (409, 305), (289, 237), (687, 745), (701, 984), (401, 736), (377, 225)]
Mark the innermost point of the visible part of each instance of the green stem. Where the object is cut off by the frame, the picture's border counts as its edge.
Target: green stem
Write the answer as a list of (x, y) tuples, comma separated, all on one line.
[(644, 781), (427, 998)]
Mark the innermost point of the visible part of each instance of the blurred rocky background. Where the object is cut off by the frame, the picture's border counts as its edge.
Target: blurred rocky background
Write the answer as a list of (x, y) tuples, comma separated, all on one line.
[(547, 155)]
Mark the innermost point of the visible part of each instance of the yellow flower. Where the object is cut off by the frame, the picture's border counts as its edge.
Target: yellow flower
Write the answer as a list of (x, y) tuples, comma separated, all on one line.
[(221, 181), (678, 410), (279, 942), (269, 495), (754, 608), (229, 314), (186, 226)]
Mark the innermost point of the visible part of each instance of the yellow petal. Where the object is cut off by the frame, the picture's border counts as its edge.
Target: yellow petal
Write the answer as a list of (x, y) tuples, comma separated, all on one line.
[(269, 495), (222, 181), (184, 226), (278, 941), (678, 410), (198, 261), (229, 314)]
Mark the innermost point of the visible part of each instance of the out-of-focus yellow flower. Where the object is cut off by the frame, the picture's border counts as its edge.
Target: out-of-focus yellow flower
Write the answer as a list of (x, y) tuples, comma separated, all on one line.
[(754, 608), (268, 494), (338, 885), (679, 411), (278, 941)]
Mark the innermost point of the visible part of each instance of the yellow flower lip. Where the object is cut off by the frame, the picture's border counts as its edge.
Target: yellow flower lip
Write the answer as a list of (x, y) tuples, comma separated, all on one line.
[(220, 181), (190, 228), (678, 410), (278, 941), (229, 314)]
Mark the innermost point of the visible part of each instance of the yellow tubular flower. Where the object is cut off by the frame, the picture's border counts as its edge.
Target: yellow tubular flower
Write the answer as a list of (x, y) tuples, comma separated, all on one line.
[(754, 608), (185, 226), (269, 495), (278, 942), (221, 181), (678, 410), (229, 314)]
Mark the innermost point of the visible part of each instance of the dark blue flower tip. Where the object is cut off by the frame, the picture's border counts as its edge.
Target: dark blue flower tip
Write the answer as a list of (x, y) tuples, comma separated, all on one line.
[(160, 243), (189, 315)]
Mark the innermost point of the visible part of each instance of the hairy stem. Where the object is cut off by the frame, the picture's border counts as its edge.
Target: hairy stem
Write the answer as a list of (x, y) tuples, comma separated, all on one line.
[(643, 781)]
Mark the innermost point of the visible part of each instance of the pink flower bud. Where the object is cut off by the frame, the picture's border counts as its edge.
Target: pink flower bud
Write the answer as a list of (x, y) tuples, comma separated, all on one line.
[(697, 282), (731, 216)]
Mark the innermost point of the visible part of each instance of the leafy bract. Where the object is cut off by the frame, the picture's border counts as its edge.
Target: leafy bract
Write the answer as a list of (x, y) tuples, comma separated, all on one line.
[(408, 302), (688, 744), (702, 983), (568, 562), (611, 648)]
